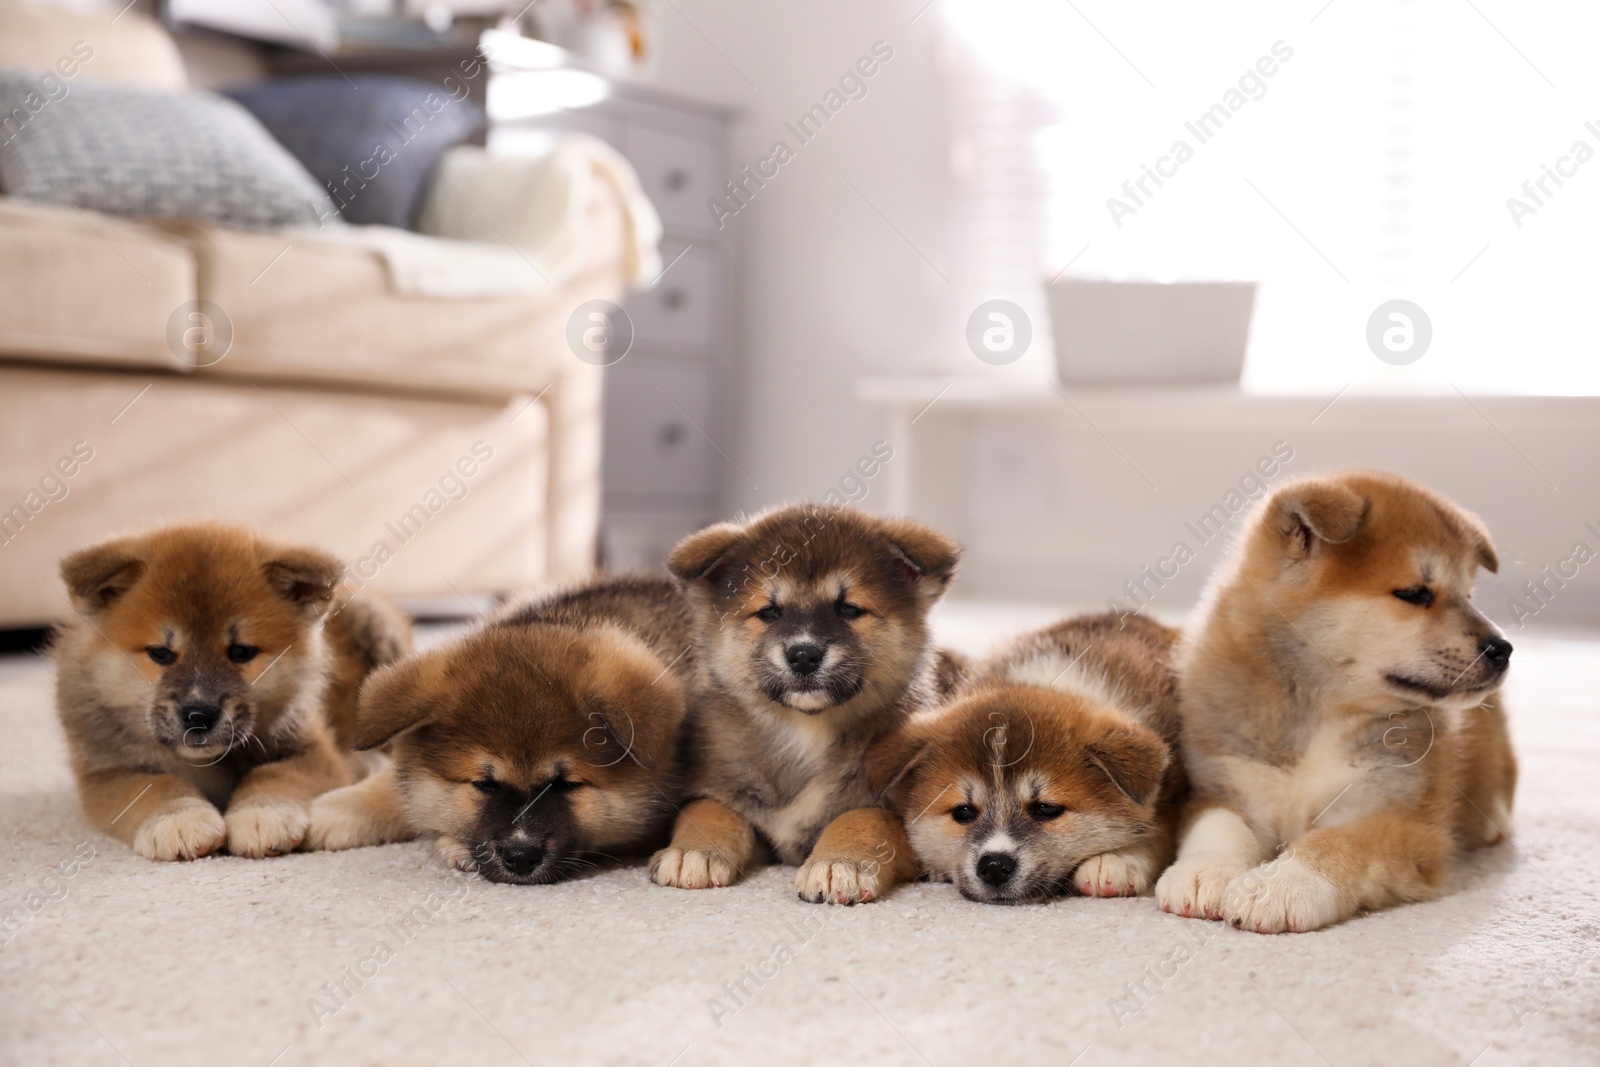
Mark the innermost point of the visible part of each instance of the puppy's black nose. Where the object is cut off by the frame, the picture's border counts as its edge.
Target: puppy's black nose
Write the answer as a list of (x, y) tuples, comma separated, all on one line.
[(1497, 650), (805, 659), (197, 716), (996, 868), (521, 859)]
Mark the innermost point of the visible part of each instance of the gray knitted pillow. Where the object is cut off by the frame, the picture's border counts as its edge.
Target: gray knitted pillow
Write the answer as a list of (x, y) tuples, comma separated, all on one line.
[(149, 153)]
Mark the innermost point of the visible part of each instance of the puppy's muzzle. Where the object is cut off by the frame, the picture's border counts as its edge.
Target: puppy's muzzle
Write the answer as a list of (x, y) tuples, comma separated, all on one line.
[(199, 724), (1496, 651), (199, 716), (996, 868), (516, 861), (521, 860), (805, 658)]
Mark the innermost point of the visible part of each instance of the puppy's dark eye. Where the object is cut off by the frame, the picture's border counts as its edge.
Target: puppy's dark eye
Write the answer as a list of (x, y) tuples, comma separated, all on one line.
[(848, 610), (1420, 595), (963, 813), (770, 613), (487, 786), (565, 785), (162, 655), (1044, 811), (242, 653)]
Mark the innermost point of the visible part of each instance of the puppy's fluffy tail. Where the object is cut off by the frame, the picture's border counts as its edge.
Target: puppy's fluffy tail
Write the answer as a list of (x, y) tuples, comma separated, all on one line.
[(364, 632), (369, 629)]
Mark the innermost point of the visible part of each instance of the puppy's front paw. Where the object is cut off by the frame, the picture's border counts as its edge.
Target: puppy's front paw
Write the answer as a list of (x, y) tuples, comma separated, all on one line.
[(454, 853), (692, 868), (1114, 874), (1496, 824), (838, 881), (258, 830), (1194, 887), (339, 820), (1285, 894), (189, 829)]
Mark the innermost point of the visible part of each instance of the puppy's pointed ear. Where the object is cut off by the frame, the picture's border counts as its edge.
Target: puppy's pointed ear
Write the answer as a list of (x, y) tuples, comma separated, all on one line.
[(1134, 758), (696, 556), (394, 699), (1478, 536), (892, 758), (97, 576), (1317, 510), (304, 576), (927, 554)]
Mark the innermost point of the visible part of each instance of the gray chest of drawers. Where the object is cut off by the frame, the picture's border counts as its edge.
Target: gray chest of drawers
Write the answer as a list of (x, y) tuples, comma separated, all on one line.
[(666, 401)]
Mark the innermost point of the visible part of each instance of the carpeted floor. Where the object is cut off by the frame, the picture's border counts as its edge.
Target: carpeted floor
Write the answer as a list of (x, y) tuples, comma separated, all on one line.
[(239, 962)]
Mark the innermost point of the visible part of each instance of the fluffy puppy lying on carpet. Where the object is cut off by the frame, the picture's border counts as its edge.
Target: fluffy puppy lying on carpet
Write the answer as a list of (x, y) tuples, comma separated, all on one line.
[(535, 745), (813, 623), (205, 699), (1051, 769), (1339, 702)]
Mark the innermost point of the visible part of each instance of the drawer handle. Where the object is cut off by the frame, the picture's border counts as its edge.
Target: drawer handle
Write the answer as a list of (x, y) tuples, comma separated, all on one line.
[(676, 180), (673, 299), (671, 435)]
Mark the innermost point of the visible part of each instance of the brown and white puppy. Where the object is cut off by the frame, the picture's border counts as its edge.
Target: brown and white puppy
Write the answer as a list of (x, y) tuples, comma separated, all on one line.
[(205, 697), (1052, 769), (1338, 694), (535, 745), (813, 623)]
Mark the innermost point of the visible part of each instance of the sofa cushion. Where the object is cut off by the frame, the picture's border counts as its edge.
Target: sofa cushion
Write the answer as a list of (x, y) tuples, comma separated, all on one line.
[(150, 153), (376, 140), (94, 46), (85, 287), (307, 309)]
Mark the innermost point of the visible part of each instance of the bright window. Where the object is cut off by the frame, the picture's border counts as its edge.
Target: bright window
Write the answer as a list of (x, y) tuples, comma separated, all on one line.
[(1350, 155)]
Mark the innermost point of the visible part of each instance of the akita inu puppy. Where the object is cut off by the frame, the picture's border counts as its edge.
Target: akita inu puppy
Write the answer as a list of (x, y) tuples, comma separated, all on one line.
[(813, 624), (1053, 768), (205, 698), (1338, 696), (534, 746)]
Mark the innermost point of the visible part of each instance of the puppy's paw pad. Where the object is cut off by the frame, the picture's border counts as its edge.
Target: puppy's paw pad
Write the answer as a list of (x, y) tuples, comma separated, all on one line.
[(454, 853), (1112, 874), (338, 820), (838, 881), (188, 830), (692, 868), (1284, 895), (258, 830), (1194, 887)]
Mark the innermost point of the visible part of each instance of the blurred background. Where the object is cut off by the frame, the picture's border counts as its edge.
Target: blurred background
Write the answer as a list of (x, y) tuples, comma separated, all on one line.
[(482, 295)]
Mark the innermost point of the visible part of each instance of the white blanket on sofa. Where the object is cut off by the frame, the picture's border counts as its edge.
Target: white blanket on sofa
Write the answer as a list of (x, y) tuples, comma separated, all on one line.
[(502, 225)]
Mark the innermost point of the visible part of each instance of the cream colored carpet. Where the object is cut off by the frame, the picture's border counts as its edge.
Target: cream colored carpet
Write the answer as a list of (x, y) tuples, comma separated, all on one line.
[(240, 962)]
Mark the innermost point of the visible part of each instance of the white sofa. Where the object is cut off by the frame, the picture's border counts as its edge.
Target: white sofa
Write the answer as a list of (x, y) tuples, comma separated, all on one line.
[(344, 413)]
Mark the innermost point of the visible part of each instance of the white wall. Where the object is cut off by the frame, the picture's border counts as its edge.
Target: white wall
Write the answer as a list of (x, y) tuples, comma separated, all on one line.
[(828, 290)]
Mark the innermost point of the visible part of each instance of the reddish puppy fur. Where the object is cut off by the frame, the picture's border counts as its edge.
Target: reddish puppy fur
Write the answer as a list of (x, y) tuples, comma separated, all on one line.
[(535, 746), (205, 697), (812, 624), (1050, 770), (1340, 704)]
